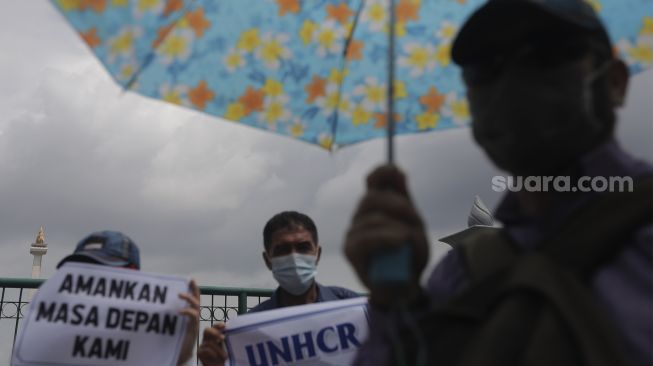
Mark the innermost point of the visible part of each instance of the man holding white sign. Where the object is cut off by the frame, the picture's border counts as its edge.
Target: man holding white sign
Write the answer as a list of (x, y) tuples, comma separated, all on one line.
[(292, 253), (98, 313), (328, 333)]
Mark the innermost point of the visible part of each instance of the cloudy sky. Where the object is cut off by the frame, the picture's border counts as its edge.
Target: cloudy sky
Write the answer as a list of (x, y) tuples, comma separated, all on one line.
[(77, 154)]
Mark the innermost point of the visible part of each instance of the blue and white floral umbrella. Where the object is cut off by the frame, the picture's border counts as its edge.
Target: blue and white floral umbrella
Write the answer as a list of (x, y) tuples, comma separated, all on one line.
[(315, 70)]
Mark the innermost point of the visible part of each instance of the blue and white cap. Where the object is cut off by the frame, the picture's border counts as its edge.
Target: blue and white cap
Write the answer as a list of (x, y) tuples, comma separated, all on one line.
[(111, 248)]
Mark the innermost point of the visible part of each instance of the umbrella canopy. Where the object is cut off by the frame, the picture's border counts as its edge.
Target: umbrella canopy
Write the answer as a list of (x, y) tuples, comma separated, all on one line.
[(315, 70)]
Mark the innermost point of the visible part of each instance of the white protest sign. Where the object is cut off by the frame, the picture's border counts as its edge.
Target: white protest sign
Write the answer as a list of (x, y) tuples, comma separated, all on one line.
[(88, 314), (327, 333)]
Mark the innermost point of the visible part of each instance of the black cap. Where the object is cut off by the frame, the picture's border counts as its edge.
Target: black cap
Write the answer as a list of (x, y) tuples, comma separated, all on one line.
[(501, 24)]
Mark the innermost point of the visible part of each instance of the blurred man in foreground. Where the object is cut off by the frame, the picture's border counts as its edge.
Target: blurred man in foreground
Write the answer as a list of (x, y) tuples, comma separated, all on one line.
[(115, 249), (543, 86), (291, 252)]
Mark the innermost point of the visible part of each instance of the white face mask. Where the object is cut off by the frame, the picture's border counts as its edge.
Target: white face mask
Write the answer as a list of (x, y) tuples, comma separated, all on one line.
[(294, 272)]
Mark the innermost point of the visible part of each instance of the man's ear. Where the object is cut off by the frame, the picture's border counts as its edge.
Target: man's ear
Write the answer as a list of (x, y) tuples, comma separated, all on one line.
[(618, 77), (319, 254), (267, 261)]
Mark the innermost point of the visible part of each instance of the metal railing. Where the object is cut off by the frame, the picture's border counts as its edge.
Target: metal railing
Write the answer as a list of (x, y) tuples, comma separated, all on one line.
[(216, 303)]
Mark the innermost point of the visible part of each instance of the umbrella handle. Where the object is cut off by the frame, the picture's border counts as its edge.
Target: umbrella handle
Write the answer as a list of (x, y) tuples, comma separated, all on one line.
[(391, 267), (391, 78)]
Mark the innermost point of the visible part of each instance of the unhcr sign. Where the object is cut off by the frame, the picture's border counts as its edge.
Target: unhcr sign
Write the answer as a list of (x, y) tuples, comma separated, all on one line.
[(326, 334)]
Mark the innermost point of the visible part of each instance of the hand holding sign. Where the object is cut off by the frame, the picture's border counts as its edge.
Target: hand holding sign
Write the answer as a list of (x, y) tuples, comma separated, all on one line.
[(192, 312), (88, 314), (212, 351), (328, 333)]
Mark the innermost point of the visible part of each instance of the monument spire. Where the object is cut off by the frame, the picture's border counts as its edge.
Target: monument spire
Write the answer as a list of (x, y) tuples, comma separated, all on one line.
[(40, 237), (38, 250)]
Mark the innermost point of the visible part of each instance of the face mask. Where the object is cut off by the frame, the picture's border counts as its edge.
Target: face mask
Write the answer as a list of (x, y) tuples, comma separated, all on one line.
[(294, 272), (537, 122)]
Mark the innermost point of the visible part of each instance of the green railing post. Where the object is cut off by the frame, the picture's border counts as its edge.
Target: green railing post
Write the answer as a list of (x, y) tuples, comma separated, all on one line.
[(20, 298), (242, 303)]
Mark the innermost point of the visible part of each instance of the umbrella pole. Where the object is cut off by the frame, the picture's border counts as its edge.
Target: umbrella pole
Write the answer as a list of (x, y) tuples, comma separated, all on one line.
[(391, 78)]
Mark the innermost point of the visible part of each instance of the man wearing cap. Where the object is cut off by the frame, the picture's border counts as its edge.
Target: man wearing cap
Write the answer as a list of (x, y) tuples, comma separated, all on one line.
[(543, 86), (115, 249), (291, 253)]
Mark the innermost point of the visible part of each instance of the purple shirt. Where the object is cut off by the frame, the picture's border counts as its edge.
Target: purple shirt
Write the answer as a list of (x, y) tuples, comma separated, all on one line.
[(324, 293), (623, 286)]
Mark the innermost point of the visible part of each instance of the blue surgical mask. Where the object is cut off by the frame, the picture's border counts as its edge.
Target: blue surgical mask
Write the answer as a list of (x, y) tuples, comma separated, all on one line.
[(294, 272)]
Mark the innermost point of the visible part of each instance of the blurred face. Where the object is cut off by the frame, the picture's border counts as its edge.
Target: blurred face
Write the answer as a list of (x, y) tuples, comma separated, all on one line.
[(296, 240), (539, 106)]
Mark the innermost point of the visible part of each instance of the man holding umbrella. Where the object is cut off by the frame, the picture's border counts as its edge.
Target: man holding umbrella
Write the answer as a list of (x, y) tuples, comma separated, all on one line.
[(543, 86)]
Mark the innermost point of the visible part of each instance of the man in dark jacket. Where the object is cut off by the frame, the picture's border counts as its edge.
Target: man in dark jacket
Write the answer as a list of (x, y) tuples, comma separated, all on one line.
[(543, 86), (291, 252)]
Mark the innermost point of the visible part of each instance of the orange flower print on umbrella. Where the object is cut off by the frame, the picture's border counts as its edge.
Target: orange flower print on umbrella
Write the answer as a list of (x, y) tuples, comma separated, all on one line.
[(316, 71)]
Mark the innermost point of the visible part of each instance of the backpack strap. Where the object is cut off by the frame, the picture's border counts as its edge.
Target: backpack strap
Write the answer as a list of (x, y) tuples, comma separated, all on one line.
[(595, 233), (598, 232), (486, 252), (549, 276)]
